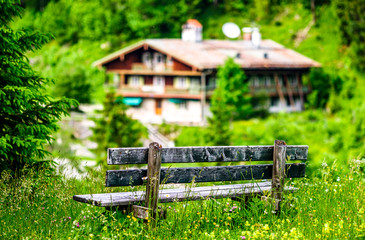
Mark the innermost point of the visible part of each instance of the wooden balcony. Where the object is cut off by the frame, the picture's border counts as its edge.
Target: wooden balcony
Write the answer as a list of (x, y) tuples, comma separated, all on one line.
[(195, 92), (157, 68), (160, 92), (272, 91)]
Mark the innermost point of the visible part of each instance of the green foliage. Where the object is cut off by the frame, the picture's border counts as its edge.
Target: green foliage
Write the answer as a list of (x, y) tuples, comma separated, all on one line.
[(165, 18), (323, 86), (260, 104), (191, 136), (261, 8), (115, 128), (71, 21), (218, 131), (352, 27), (230, 100), (234, 89), (71, 68), (28, 116)]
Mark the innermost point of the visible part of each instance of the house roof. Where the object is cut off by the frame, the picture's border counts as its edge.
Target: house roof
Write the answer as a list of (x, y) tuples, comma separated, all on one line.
[(209, 54), (194, 22)]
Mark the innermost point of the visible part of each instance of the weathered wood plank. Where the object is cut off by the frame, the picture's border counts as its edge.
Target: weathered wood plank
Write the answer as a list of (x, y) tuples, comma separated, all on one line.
[(278, 173), (134, 177), (119, 156), (181, 194), (141, 212), (153, 177), (145, 213)]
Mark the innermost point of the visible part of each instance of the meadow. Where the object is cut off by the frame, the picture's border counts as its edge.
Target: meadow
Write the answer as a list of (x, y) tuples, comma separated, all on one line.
[(328, 205)]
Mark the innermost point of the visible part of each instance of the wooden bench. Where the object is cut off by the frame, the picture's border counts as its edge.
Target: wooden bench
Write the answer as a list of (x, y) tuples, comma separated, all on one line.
[(154, 175)]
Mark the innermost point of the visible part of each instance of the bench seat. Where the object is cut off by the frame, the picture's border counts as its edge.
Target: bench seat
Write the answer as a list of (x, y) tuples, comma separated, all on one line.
[(178, 194)]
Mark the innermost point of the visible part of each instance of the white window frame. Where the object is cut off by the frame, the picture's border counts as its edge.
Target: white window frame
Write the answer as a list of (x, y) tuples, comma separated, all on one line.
[(267, 80), (116, 79), (292, 80), (181, 82), (255, 81), (159, 81), (158, 55), (147, 59), (134, 81)]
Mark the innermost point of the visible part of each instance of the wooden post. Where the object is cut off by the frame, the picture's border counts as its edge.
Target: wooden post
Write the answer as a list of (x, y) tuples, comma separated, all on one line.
[(153, 177), (121, 81), (278, 89), (290, 92), (300, 85), (278, 173)]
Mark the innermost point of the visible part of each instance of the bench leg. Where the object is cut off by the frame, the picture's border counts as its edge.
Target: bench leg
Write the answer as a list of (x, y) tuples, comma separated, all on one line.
[(124, 209), (145, 213), (244, 200)]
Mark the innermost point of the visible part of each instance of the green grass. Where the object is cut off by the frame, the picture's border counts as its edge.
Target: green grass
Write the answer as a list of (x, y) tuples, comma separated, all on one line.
[(329, 205)]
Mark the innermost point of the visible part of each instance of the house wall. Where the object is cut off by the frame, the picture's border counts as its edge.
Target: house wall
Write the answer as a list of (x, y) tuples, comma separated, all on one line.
[(170, 112), (127, 62), (179, 66), (129, 59), (277, 106)]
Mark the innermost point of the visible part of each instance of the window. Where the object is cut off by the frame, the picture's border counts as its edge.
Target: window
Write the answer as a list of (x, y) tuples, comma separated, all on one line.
[(159, 81), (212, 83), (134, 81), (274, 101), (281, 80), (169, 61), (268, 80), (292, 80), (255, 81), (146, 59), (181, 82), (116, 79), (158, 58), (183, 105)]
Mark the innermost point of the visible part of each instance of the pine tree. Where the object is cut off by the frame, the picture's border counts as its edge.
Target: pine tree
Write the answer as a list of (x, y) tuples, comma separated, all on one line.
[(115, 128), (28, 117), (219, 133), (234, 84), (230, 100)]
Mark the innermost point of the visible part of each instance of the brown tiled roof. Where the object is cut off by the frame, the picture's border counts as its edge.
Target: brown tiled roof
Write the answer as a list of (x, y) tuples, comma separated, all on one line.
[(209, 54)]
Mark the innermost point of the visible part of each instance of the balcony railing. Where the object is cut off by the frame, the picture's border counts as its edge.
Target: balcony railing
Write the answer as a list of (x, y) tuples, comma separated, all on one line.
[(158, 67), (160, 90), (272, 90), (197, 90)]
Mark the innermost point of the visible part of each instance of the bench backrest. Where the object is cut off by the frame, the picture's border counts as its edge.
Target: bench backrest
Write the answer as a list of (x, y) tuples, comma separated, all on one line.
[(133, 177)]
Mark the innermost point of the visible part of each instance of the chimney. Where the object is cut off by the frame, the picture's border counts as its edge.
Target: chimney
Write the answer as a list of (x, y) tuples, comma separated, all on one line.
[(192, 31), (247, 33), (256, 37)]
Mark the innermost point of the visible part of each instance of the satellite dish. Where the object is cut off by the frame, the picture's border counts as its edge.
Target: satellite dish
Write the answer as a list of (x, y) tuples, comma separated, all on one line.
[(231, 30)]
